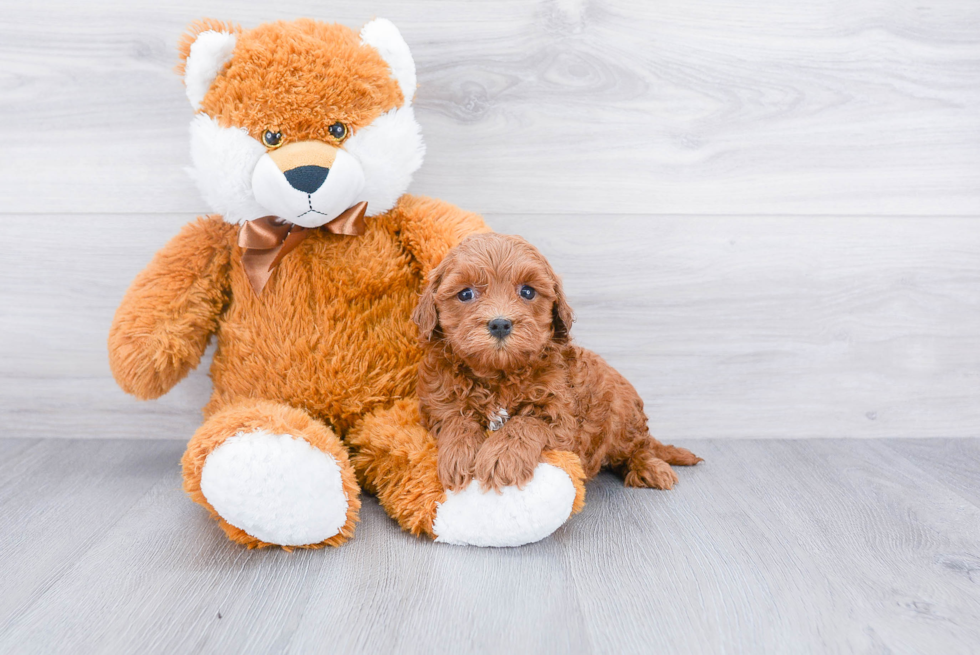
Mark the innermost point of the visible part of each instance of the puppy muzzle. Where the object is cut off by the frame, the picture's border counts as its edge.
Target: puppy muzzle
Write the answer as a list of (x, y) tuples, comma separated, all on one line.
[(308, 183), (500, 327)]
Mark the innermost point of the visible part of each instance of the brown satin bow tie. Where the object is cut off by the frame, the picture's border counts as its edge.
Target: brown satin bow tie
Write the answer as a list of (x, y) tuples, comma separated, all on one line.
[(268, 239)]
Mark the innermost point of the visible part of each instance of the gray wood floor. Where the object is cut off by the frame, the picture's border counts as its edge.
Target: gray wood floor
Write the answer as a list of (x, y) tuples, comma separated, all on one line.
[(802, 546)]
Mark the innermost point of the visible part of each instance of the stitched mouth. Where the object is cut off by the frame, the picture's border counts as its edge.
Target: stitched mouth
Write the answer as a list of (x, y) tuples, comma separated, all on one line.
[(309, 202)]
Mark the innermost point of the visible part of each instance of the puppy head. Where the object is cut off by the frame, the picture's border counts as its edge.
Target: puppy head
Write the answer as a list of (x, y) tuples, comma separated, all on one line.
[(495, 302)]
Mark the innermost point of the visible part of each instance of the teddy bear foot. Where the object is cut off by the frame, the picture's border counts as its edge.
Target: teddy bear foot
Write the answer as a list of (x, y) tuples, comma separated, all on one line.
[(276, 487), (513, 517), (273, 476)]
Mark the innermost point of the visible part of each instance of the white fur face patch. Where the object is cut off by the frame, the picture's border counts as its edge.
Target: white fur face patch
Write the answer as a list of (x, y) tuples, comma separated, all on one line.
[(238, 181), (222, 162), (304, 202), (389, 150)]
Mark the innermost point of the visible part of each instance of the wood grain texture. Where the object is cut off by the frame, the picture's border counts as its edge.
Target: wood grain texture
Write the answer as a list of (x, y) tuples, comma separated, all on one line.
[(59, 498), (567, 106), (810, 546), (728, 326), (956, 464)]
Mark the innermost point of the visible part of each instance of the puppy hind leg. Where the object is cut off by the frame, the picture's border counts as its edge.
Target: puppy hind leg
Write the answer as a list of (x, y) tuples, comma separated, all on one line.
[(647, 461), (673, 454), (644, 469)]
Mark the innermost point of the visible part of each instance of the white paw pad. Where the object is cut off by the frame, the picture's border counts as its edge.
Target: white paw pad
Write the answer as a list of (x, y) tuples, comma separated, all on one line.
[(513, 517), (276, 487)]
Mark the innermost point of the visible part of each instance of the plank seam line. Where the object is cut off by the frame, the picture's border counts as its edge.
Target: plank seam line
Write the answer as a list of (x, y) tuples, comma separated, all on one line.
[(6, 214)]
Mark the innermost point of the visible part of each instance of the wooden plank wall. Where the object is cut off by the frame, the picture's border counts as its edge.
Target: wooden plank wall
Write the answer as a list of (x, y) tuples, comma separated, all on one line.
[(766, 213)]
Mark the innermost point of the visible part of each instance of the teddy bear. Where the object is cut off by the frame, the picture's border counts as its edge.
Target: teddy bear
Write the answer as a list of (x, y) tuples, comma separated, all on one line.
[(303, 144)]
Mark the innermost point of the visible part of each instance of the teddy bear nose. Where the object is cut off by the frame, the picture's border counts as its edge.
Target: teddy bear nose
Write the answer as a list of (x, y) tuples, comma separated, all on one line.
[(500, 327), (306, 178)]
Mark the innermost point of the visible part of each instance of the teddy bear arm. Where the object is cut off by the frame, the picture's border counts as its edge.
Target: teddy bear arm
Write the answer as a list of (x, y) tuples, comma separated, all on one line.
[(430, 228), (162, 325)]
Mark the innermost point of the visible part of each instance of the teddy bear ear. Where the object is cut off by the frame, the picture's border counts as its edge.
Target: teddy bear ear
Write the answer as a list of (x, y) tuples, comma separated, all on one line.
[(382, 35), (205, 50)]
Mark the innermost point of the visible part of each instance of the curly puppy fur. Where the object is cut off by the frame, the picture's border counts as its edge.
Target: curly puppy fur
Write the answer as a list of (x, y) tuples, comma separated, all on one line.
[(557, 395)]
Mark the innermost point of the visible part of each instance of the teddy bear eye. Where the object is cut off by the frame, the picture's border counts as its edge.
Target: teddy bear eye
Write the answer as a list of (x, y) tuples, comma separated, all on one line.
[(338, 131), (272, 139), (528, 293), (466, 295)]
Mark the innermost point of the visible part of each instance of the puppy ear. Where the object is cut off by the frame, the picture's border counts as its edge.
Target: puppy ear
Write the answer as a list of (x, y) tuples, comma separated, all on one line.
[(426, 316), (561, 312)]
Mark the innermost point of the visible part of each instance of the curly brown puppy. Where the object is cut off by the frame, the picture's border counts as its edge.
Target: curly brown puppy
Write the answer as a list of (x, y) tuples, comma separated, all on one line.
[(500, 381)]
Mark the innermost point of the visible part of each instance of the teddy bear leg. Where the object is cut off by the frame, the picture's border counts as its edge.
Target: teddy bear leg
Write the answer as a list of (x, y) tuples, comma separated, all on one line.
[(395, 459), (272, 475)]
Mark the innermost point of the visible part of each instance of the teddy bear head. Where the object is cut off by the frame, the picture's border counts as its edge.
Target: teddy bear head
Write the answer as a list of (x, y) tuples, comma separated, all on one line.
[(300, 120)]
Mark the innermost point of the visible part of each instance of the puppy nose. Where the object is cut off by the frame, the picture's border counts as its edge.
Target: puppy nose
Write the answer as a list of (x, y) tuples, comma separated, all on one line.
[(500, 327), (306, 178)]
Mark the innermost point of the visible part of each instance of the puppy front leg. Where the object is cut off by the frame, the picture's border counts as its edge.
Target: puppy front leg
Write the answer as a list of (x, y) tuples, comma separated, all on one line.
[(509, 456), (459, 439)]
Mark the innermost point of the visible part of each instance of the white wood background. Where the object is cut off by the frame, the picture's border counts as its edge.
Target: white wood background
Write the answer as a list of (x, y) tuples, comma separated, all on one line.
[(766, 213)]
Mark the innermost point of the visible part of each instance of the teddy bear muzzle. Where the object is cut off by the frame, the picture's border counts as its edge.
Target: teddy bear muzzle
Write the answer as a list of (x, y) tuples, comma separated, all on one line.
[(308, 183)]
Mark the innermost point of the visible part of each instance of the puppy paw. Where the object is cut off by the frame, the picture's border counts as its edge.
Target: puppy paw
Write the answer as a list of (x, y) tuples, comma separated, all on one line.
[(506, 462), (650, 472), (456, 463)]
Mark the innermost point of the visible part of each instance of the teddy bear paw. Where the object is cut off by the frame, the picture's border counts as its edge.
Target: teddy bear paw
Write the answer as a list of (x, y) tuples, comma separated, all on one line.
[(513, 517), (276, 487)]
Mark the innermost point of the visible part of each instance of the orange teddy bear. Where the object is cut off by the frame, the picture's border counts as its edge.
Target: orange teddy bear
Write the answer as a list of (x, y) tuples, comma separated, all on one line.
[(303, 144)]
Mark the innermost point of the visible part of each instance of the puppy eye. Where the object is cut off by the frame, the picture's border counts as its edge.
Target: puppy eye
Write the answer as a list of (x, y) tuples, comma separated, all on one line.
[(338, 131), (466, 295), (527, 293), (272, 139)]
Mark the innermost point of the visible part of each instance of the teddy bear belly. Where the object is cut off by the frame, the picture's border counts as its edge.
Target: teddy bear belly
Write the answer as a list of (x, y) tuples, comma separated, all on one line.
[(335, 363)]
